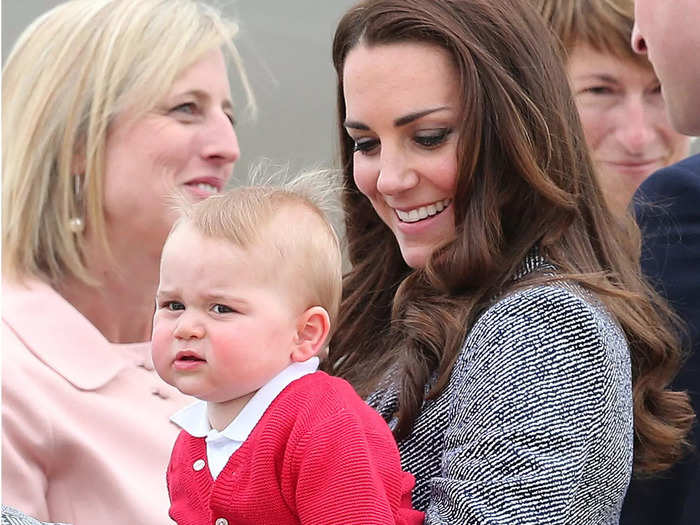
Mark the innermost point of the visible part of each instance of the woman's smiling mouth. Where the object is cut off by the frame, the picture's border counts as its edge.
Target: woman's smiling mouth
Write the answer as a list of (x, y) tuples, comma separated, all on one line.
[(418, 214)]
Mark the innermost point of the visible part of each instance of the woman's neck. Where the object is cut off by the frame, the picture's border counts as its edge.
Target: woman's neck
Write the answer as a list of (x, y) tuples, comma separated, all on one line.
[(121, 305)]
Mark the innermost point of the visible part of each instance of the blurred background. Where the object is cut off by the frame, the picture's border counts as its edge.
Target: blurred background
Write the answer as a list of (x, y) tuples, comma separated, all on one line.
[(286, 46)]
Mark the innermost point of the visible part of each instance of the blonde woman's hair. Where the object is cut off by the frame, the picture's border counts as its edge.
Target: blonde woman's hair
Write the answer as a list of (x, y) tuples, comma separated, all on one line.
[(71, 72), (286, 229), (604, 25)]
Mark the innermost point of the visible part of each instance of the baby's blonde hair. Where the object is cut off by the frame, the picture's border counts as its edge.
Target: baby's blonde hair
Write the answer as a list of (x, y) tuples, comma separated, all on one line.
[(291, 220)]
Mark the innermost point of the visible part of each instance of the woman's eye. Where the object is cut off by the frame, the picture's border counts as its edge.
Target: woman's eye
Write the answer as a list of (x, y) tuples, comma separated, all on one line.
[(599, 90), (222, 309), (365, 146), (187, 107), (173, 305), (231, 119), (433, 138)]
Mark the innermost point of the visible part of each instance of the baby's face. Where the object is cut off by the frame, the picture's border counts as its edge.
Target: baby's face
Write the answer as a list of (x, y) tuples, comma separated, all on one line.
[(221, 330)]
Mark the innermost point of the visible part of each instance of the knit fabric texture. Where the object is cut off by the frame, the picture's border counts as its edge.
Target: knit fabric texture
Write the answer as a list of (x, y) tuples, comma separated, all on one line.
[(535, 425), (11, 516), (319, 455)]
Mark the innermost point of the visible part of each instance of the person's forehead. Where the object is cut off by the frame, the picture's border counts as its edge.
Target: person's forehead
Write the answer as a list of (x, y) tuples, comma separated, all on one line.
[(674, 8)]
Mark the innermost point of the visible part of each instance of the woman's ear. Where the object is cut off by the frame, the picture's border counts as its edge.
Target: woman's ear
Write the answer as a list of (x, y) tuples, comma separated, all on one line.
[(312, 329)]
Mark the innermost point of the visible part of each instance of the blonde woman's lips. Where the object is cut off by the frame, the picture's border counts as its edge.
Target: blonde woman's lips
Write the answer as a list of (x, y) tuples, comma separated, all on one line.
[(204, 187)]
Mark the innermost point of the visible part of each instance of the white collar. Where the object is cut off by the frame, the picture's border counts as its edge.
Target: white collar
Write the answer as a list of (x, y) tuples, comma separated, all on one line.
[(194, 420)]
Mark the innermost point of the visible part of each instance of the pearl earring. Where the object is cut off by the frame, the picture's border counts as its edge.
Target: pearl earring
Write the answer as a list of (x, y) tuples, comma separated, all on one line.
[(77, 224)]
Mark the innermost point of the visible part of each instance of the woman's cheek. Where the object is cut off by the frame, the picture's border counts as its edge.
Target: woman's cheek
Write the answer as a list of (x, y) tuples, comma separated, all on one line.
[(365, 177)]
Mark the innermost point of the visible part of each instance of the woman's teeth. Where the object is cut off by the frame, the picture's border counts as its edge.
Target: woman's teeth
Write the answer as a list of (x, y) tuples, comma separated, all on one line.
[(423, 212), (207, 187)]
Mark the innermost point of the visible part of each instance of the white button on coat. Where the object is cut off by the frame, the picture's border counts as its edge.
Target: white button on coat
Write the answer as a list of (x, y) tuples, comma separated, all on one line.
[(221, 521), (199, 465)]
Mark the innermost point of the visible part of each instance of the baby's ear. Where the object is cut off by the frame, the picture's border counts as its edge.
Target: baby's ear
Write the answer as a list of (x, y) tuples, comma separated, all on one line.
[(312, 329)]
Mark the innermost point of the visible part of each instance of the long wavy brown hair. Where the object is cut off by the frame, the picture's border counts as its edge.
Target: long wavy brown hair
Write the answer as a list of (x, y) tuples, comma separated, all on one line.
[(525, 181)]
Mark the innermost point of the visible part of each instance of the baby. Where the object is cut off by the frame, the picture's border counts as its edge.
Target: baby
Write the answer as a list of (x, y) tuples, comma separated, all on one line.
[(250, 283)]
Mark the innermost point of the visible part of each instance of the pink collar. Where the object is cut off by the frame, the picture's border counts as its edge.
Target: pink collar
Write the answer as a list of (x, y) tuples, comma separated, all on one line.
[(60, 336)]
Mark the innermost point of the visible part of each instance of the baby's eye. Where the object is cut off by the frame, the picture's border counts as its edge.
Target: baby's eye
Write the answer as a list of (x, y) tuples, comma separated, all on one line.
[(365, 146), (222, 309), (172, 305), (432, 138)]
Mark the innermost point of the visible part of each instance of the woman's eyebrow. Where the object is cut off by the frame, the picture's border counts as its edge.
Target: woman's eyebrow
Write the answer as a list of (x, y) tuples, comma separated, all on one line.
[(602, 77), (201, 94), (407, 119), (401, 121)]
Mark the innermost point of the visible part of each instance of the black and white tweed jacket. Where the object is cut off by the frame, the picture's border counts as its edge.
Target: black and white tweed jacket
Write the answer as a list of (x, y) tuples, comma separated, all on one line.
[(535, 426), (12, 516)]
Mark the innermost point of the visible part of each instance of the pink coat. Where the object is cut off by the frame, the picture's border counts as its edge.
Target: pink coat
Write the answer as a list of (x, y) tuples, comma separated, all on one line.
[(86, 435)]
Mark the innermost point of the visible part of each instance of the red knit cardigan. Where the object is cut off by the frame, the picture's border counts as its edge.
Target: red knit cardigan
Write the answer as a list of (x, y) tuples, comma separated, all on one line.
[(319, 455)]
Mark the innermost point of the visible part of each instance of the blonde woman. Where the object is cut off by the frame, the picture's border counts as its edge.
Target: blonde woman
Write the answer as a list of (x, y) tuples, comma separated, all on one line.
[(109, 106)]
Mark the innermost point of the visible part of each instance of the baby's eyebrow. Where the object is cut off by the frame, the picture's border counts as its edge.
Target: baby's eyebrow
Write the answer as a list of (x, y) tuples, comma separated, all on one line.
[(164, 292), (225, 298)]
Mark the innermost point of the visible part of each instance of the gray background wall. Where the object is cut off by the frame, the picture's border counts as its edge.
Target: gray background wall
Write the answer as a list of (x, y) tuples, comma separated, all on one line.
[(286, 48)]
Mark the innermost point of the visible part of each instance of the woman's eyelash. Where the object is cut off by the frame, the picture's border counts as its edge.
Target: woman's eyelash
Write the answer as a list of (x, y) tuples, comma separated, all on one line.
[(186, 107), (598, 90), (426, 140), (365, 145), (433, 139)]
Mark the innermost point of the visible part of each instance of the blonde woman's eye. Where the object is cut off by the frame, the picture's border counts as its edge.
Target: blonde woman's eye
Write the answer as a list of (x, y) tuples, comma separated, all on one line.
[(187, 107)]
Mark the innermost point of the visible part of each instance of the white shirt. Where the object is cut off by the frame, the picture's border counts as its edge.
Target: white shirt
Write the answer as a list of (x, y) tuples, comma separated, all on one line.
[(193, 419)]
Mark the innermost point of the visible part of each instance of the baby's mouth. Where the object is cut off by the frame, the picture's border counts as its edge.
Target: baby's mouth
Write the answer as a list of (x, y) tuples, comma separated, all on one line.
[(188, 356)]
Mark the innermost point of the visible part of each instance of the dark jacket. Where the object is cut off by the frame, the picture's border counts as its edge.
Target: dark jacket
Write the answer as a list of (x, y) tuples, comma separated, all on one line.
[(668, 212)]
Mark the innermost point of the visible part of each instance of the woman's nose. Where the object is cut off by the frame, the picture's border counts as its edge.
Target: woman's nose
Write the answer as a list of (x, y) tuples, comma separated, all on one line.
[(635, 130), (396, 174), (220, 142)]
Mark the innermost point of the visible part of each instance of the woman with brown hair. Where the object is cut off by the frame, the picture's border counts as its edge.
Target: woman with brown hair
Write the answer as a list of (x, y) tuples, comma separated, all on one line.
[(494, 313)]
